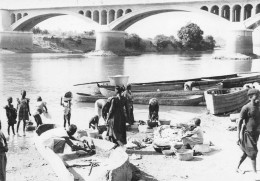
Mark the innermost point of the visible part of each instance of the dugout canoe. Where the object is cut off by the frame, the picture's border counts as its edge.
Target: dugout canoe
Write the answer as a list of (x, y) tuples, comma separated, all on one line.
[(219, 101), (170, 98), (71, 165), (203, 83)]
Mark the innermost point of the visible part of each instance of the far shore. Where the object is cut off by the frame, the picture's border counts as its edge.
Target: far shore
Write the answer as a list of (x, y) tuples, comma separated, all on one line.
[(86, 47)]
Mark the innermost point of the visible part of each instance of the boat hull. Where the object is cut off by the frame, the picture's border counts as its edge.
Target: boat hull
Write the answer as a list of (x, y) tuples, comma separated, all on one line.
[(183, 98), (219, 103), (72, 166)]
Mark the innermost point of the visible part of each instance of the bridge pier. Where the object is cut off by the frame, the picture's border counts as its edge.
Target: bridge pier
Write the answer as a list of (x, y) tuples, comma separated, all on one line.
[(110, 40), (256, 41), (240, 41), (12, 39)]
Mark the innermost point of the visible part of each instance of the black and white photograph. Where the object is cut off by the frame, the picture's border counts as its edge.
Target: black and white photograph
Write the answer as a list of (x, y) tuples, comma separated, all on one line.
[(136, 90)]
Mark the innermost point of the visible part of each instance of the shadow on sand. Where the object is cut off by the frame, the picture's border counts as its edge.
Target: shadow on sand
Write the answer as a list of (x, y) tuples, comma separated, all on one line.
[(140, 175)]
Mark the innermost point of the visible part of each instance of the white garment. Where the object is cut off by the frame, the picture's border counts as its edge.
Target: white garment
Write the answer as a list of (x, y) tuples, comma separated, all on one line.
[(48, 136), (39, 105), (98, 106)]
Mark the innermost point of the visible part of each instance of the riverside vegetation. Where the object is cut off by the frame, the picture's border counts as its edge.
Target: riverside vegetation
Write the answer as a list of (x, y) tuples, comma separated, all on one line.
[(189, 38)]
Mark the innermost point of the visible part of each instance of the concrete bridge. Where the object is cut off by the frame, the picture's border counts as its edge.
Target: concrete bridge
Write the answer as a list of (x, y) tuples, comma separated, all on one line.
[(112, 17)]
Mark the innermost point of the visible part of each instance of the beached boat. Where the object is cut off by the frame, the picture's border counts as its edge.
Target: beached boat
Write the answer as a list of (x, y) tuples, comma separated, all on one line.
[(106, 164), (225, 81), (170, 98), (220, 101)]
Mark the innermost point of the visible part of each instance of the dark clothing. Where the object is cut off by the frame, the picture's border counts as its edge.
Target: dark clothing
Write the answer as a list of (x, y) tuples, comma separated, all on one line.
[(117, 119), (67, 119), (38, 119), (3, 159), (23, 109), (10, 114), (250, 129), (248, 143), (251, 115), (3, 162), (153, 109), (129, 98)]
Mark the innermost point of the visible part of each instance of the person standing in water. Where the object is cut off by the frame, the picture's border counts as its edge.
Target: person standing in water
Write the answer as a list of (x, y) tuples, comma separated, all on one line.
[(11, 114), (249, 129), (66, 103), (40, 108), (23, 110)]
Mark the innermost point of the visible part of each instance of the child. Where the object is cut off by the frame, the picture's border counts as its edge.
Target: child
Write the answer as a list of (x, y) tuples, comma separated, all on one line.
[(194, 135), (11, 115), (66, 103), (3, 159), (40, 108)]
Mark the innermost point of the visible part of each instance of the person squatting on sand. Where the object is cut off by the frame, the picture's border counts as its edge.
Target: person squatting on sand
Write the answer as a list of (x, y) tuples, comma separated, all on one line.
[(194, 136), (3, 158), (129, 98), (11, 114), (48, 136), (66, 103), (249, 129), (117, 118), (153, 116), (40, 108), (23, 110)]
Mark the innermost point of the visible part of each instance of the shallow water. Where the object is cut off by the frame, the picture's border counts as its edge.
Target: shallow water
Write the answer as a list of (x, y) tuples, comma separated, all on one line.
[(51, 75)]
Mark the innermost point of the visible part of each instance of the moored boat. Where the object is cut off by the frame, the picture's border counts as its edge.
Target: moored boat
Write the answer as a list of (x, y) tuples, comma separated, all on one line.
[(220, 101), (107, 164), (170, 98), (203, 83)]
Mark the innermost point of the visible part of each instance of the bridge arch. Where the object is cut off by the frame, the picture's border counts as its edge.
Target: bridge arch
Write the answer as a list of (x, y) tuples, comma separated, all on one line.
[(129, 19), (247, 11), (236, 12), (32, 19), (225, 12), (215, 10)]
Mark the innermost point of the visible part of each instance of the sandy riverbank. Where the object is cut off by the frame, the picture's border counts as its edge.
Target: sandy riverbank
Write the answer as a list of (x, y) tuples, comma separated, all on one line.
[(25, 163)]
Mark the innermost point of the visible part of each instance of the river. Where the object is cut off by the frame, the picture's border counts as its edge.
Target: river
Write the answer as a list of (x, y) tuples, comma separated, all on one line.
[(51, 75)]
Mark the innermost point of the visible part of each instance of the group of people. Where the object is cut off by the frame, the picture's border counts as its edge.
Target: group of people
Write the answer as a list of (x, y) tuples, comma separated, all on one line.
[(22, 112)]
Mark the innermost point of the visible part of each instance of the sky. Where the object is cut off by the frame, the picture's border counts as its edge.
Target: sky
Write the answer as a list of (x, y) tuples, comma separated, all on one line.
[(165, 23)]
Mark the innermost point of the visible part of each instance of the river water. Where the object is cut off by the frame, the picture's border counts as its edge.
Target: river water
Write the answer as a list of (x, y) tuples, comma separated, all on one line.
[(51, 75)]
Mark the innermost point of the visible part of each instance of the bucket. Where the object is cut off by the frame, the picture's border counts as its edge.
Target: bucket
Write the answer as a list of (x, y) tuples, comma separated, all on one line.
[(118, 80), (184, 154)]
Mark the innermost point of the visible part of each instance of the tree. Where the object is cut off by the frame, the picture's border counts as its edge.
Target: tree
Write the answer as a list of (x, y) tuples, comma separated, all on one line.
[(208, 43), (134, 41), (191, 36), (162, 41)]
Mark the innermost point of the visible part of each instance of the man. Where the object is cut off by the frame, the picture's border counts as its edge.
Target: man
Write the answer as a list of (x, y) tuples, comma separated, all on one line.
[(249, 128), (3, 159), (61, 134)]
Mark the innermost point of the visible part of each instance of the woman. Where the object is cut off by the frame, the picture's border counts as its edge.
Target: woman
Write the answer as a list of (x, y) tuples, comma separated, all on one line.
[(153, 116), (23, 110), (129, 97), (116, 118)]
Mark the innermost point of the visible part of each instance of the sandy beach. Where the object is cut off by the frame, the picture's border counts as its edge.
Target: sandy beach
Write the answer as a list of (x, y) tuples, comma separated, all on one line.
[(26, 164)]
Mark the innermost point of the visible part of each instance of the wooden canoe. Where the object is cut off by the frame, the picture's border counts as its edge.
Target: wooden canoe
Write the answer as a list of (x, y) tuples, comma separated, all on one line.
[(220, 101), (203, 83), (113, 164), (170, 98)]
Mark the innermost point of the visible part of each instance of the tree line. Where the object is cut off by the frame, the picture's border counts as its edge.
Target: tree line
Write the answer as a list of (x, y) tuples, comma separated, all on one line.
[(189, 37)]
